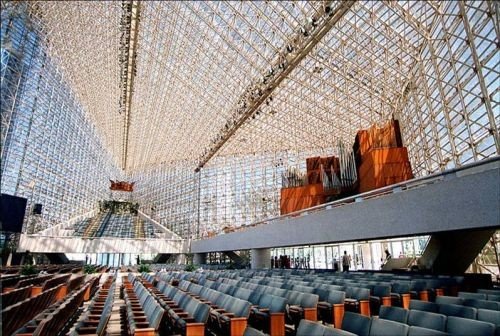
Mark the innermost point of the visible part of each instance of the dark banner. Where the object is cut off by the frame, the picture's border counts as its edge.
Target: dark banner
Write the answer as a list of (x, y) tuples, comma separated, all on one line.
[(12, 210)]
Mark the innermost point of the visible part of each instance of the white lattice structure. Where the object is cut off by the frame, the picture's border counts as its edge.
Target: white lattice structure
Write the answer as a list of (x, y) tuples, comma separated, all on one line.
[(151, 91)]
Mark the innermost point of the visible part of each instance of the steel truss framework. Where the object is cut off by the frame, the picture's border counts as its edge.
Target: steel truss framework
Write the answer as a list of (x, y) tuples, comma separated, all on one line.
[(197, 68)]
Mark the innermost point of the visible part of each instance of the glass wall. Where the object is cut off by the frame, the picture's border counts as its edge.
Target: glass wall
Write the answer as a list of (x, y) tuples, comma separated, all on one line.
[(50, 153), (367, 255)]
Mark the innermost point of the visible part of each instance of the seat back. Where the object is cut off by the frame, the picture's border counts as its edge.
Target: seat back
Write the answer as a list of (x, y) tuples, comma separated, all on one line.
[(358, 293), (381, 327), (457, 310), (309, 300), (202, 312), (265, 301), (424, 306), (490, 316), (336, 332), (494, 297), (308, 328), (294, 297), (489, 291), (303, 289), (356, 323), (278, 304), (381, 290), (449, 300), (468, 295), (336, 297), (427, 320), (465, 326), (419, 331), (400, 288), (482, 304), (396, 314)]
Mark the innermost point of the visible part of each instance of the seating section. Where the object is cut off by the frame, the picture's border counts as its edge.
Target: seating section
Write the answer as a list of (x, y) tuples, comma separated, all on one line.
[(247, 302), (16, 315), (55, 319), (144, 313), (96, 317), (15, 296), (359, 297), (188, 316)]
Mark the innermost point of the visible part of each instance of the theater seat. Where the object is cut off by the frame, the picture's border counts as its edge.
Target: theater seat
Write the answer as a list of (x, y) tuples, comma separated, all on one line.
[(427, 320), (424, 306), (466, 327), (457, 310), (490, 316), (419, 331), (356, 323), (381, 327), (395, 314)]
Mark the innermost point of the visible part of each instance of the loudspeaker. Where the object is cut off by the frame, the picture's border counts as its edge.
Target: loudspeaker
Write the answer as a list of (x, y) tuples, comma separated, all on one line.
[(37, 209)]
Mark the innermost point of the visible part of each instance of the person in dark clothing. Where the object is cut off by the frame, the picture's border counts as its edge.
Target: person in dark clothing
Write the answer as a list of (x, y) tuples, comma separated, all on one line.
[(346, 262)]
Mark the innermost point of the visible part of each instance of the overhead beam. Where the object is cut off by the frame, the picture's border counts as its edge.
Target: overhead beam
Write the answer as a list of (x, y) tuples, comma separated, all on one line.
[(128, 53), (306, 38)]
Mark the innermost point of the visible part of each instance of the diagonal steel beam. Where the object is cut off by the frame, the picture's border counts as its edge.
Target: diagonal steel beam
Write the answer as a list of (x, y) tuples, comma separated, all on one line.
[(255, 95), (130, 29)]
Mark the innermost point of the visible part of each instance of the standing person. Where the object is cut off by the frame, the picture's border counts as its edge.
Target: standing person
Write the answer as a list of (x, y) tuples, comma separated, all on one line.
[(346, 262), (388, 256)]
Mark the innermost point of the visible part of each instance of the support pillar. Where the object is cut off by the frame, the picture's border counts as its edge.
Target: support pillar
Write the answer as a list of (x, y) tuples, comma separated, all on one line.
[(200, 258), (261, 258)]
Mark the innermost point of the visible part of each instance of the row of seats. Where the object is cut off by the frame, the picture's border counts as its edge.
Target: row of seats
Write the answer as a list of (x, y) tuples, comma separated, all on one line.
[(299, 303), (19, 294), (15, 316), (11, 281), (96, 317), (416, 324), (310, 328), (186, 315), (433, 320), (270, 305), (449, 309), (389, 289), (434, 284), (477, 300), (55, 319), (144, 313), (491, 294), (357, 299), (35, 281), (229, 314)]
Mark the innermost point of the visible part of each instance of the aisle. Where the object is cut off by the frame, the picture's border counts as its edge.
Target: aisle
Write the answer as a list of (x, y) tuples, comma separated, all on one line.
[(116, 326)]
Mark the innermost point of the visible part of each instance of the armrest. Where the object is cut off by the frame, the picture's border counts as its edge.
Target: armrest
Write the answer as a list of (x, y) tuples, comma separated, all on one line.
[(86, 330)]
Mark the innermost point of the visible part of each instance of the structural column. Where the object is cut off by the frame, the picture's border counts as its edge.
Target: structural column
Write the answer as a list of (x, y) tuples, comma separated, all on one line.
[(200, 258), (261, 258)]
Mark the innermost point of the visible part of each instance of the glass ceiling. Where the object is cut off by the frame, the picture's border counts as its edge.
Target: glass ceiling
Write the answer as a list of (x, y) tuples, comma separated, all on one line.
[(151, 90), (191, 62)]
